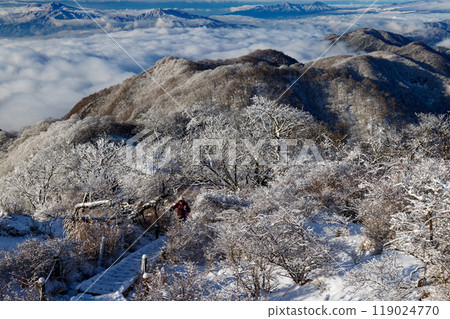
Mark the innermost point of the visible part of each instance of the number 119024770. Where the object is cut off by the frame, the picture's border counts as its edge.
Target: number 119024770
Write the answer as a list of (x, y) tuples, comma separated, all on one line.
[(405, 310)]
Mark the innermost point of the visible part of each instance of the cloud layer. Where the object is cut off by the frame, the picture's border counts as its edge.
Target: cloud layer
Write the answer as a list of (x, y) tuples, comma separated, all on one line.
[(40, 78)]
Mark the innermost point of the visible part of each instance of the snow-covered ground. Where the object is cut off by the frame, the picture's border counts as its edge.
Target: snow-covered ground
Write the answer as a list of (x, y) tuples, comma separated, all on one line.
[(15, 229), (10, 243), (335, 287)]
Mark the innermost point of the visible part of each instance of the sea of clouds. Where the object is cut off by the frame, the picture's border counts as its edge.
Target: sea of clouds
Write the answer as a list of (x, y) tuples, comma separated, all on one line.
[(45, 77)]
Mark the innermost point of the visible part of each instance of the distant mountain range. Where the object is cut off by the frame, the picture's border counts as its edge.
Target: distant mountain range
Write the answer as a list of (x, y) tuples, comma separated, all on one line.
[(42, 19), (284, 10), (433, 32), (434, 59), (37, 19)]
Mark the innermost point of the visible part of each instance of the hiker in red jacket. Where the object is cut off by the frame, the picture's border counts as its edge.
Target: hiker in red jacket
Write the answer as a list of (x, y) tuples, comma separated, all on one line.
[(183, 209)]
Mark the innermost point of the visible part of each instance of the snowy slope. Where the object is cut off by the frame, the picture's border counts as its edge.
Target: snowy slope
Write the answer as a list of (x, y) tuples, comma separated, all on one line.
[(10, 243), (336, 284), (16, 228), (433, 33)]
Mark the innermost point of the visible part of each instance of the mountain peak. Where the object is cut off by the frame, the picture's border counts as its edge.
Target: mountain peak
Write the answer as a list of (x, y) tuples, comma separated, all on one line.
[(369, 40), (285, 9), (55, 5), (49, 6), (271, 57)]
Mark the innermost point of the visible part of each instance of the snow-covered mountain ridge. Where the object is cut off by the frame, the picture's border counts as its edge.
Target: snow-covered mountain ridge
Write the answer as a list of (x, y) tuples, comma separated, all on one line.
[(285, 9), (43, 19)]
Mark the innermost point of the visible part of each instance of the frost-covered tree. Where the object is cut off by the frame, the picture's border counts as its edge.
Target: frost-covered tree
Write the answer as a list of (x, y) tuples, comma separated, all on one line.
[(430, 137), (51, 162), (210, 147), (269, 119), (275, 231), (286, 240), (253, 273), (37, 182), (381, 144), (245, 148), (332, 185), (6, 139), (190, 241), (383, 197), (381, 279), (95, 168), (186, 282), (422, 228)]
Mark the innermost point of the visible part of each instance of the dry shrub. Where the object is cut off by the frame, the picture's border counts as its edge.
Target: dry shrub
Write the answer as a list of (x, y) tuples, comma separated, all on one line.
[(375, 210), (13, 207), (334, 186), (27, 291), (377, 224), (380, 279), (210, 203), (89, 233), (58, 259), (189, 241)]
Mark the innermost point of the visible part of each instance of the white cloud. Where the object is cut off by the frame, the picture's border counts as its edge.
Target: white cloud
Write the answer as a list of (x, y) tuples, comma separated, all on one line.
[(46, 77), (42, 78), (445, 43)]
